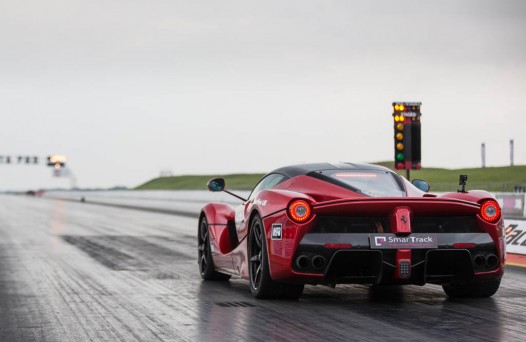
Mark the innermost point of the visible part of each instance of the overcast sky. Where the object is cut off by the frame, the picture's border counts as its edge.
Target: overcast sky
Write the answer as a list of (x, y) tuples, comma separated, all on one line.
[(127, 88)]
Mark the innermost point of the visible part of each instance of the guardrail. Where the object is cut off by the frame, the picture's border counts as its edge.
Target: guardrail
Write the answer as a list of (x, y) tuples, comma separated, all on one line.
[(512, 204)]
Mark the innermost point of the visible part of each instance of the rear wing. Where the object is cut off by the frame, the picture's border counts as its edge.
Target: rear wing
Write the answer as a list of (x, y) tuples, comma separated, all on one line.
[(425, 206)]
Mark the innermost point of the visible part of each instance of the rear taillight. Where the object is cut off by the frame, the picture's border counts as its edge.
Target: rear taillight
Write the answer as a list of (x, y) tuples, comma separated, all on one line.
[(464, 245), (490, 211), (299, 211), (337, 245)]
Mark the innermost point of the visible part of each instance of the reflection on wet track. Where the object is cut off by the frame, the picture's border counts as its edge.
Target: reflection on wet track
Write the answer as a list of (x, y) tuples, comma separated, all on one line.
[(78, 272)]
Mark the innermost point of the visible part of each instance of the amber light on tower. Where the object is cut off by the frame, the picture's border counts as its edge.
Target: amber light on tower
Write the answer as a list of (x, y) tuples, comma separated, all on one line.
[(406, 116), (56, 160)]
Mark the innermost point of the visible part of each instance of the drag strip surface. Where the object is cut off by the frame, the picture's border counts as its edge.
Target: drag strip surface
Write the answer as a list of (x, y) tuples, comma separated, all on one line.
[(76, 272)]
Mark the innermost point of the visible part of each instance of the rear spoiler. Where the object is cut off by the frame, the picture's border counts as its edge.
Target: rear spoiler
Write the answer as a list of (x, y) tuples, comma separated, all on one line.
[(424, 206)]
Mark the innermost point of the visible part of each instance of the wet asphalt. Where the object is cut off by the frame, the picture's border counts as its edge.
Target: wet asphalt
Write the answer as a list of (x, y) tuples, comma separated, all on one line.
[(80, 272)]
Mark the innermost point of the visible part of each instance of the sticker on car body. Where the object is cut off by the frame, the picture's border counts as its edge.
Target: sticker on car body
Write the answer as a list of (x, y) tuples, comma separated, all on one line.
[(276, 231), (260, 202)]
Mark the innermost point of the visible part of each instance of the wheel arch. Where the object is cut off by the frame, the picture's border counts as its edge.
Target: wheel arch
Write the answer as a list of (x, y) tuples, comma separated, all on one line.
[(252, 215), (201, 215)]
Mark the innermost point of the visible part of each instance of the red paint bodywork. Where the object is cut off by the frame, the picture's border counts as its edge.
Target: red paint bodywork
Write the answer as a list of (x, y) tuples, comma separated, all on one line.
[(329, 199)]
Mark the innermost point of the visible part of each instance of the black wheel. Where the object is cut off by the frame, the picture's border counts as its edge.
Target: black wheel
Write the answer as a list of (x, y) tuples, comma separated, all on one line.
[(291, 291), (261, 284), (472, 289), (204, 255)]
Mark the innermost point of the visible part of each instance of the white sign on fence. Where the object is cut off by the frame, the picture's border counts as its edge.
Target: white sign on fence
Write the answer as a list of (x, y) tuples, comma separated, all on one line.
[(515, 236)]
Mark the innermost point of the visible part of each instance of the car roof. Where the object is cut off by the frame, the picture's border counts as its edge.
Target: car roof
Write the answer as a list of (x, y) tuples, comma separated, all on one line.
[(303, 169)]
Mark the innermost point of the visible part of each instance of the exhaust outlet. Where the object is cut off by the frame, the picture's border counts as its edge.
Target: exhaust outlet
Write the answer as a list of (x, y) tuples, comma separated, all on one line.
[(479, 260), (492, 261), (318, 262), (302, 262)]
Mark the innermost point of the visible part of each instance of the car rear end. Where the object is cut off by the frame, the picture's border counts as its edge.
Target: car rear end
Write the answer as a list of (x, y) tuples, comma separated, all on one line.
[(398, 240)]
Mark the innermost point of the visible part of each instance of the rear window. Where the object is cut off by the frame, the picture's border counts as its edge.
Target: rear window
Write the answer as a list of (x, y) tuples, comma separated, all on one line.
[(371, 183)]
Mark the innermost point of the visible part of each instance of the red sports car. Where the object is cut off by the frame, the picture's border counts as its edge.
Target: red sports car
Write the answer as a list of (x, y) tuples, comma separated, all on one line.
[(352, 223)]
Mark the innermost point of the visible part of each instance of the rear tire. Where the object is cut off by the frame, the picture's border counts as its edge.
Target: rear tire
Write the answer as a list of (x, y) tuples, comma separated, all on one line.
[(291, 291), (472, 289), (261, 284), (204, 255)]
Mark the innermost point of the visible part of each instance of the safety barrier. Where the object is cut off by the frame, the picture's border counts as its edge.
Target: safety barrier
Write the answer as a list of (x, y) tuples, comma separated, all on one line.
[(512, 204)]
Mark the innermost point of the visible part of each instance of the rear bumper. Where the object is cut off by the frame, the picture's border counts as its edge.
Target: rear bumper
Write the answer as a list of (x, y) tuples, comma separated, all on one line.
[(333, 258)]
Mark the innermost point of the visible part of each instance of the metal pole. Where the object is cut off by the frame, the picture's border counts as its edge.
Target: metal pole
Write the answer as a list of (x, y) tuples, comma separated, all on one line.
[(407, 174), (511, 152), (483, 152)]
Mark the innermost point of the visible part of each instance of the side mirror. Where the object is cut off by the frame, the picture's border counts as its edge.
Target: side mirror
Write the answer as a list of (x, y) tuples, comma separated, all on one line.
[(216, 184), (421, 185)]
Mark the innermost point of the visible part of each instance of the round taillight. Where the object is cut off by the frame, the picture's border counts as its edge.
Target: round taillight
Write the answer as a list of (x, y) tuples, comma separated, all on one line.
[(490, 211), (299, 211)]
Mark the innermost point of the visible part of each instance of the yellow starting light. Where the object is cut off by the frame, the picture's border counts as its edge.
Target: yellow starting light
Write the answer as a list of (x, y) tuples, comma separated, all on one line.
[(400, 127), (399, 136), (399, 146), (57, 158), (396, 107), (402, 107)]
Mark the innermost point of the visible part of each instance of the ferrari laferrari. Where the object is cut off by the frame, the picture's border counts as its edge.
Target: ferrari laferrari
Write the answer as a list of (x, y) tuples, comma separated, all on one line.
[(348, 223)]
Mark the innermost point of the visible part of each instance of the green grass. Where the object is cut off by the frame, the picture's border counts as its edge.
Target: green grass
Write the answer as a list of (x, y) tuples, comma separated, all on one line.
[(491, 178), (198, 182), (500, 179)]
